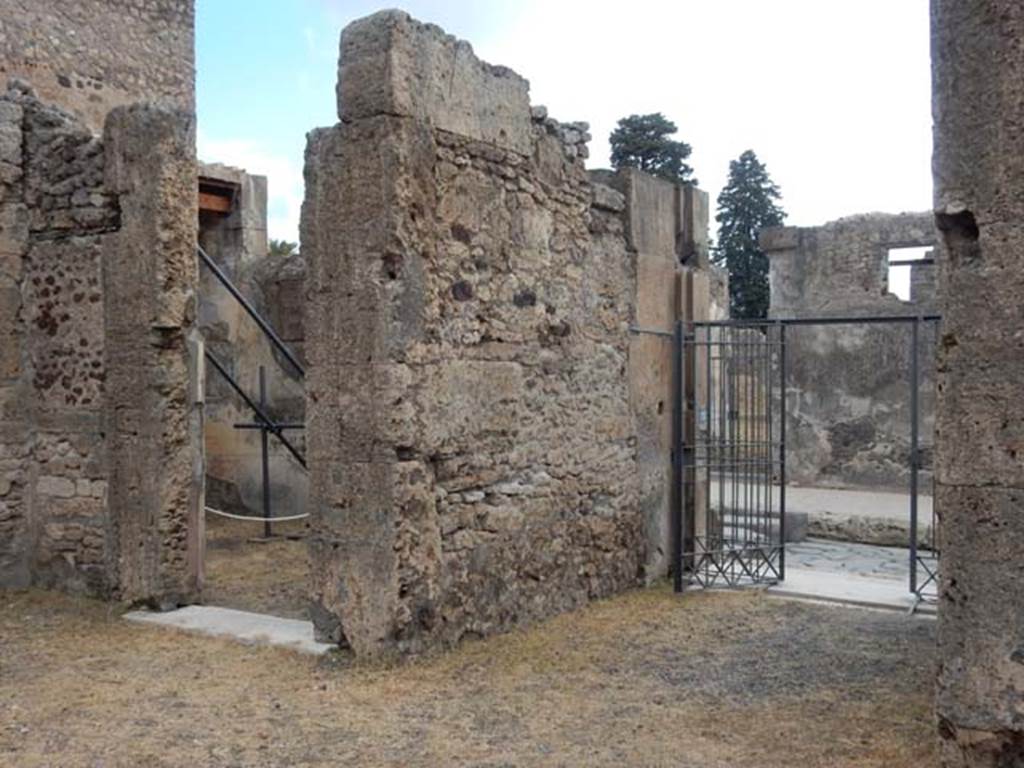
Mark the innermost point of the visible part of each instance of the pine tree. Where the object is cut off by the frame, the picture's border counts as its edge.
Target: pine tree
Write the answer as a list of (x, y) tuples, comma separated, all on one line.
[(642, 141), (747, 205), (282, 248)]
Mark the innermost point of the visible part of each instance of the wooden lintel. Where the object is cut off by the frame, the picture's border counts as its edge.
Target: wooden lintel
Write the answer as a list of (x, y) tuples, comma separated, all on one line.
[(214, 203)]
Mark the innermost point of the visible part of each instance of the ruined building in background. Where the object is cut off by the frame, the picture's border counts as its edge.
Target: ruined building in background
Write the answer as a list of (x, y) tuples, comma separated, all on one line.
[(848, 386), (233, 233)]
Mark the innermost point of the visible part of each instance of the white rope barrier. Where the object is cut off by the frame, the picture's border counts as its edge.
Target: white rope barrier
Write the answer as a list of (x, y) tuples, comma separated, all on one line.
[(231, 516)]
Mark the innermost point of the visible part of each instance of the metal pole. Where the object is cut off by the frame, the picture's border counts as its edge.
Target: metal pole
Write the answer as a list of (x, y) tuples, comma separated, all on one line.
[(251, 311), (265, 457), (261, 415), (914, 332), (782, 452), (677, 458)]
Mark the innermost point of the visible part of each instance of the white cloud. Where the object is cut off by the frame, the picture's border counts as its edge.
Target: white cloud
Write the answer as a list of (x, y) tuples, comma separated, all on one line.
[(284, 178)]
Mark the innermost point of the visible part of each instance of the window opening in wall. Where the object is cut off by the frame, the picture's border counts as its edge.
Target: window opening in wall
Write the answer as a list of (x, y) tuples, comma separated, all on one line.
[(900, 263)]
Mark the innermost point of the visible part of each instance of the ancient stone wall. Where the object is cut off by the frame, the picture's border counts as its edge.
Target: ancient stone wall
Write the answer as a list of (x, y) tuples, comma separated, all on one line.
[(62, 216), (472, 440), (848, 388), (89, 56), (978, 108)]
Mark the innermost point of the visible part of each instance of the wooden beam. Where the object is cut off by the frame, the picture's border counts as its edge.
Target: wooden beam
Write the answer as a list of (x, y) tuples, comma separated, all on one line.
[(214, 203)]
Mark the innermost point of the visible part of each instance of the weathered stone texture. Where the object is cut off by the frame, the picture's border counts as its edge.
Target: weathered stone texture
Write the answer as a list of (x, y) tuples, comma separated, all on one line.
[(848, 389), (978, 107), (392, 64), (59, 218), (92, 55), (473, 454), (151, 409)]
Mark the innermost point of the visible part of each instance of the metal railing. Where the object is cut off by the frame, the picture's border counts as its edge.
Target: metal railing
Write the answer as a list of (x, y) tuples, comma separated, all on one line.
[(263, 421)]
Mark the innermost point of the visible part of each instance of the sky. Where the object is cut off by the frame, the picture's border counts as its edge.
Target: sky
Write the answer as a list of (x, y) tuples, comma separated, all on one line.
[(833, 95)]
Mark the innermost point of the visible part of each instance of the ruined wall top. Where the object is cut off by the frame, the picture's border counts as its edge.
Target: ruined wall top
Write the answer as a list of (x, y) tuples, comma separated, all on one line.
[(89, 56), (391, 64), (841, 266)]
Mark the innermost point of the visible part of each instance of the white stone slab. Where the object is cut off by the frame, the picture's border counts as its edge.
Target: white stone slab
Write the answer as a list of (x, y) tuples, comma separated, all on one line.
[(252, 628), (830, 587)]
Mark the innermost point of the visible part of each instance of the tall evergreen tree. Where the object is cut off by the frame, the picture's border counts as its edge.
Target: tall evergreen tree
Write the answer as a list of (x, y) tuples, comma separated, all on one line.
[(643, 141), (748, 204)]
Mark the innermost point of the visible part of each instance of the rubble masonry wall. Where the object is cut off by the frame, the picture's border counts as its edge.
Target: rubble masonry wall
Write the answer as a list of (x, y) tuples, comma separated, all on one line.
[(848, 389), (470, 290)]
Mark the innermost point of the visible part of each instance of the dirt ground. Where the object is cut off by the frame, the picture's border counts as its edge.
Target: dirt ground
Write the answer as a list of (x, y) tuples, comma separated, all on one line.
[(646, 679), (251, 575)]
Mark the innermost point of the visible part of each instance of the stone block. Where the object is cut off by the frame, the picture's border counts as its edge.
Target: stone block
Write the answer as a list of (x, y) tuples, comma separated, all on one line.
[(393, 65), (694, 214), (657, 289), (150, 275), (779, 239), (652, 207)]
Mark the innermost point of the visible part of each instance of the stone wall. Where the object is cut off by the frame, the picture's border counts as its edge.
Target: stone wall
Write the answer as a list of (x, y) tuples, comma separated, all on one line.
[(849, 386), (978, 108), (89, 56), (472, 438), (75, 347)]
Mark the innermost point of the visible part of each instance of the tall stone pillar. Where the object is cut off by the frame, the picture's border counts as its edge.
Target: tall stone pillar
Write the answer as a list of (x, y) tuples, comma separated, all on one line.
[(153, 420), (471, 444), (978, 107)]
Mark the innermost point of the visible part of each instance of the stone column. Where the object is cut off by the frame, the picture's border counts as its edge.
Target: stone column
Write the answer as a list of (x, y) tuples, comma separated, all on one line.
[(14, 422), (154, 430), (978, 107)]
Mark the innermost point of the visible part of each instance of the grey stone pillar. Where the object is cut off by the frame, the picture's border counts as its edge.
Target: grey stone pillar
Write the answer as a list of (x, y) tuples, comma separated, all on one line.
[(153, 421), (978, 107)]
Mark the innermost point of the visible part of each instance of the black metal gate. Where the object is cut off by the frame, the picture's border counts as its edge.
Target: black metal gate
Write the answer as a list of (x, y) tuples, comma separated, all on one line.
[(732, 448), (730, 451)]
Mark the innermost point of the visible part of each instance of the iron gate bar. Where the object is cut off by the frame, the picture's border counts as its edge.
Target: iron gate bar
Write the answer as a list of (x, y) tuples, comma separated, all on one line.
[(676, 497), (837, 320), (745, 459), (783, 396), (913, 454), (732, 447)]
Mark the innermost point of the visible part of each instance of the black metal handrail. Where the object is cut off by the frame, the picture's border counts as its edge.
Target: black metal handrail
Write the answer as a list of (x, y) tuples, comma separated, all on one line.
[(264, 422), (275, 428), (251, 310)]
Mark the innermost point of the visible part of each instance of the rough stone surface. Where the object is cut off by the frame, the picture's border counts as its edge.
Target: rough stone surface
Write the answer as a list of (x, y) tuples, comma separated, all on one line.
[(392, 64), (152, 412), (848, 388), (92, 55), (472, 437), (61, 218), (978, 107)]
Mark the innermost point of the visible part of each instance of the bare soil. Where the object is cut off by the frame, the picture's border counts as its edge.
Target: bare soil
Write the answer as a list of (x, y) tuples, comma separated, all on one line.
[(250, 574), (712, 679)]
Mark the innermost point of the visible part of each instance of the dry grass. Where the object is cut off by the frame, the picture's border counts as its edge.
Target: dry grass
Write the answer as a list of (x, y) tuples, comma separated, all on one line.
[(262, 576), (645, 679)]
